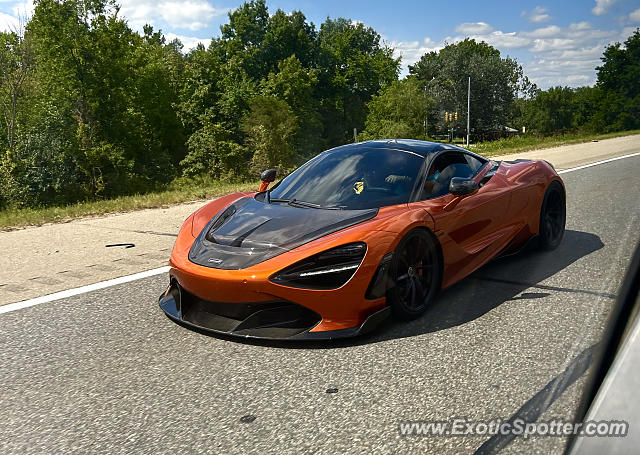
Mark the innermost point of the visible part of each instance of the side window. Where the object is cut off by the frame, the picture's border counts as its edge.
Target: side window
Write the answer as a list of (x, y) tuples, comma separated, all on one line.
[(474, 163), (445, 166)]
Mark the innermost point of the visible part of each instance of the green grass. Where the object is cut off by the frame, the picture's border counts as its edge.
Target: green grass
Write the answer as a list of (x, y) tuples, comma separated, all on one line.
[(17, 218), (182, 191), (526, 143)]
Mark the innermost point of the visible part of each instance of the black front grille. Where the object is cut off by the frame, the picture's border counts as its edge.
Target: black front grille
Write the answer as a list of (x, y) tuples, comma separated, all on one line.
[(273, 319)]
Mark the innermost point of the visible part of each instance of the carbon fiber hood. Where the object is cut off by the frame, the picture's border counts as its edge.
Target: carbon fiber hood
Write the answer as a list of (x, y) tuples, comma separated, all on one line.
[(249, 232)]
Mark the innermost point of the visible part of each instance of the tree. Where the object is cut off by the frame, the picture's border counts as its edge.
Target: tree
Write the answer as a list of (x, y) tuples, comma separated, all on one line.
[(495, 83), (16, 66), (198, 87), (236, 89), (296, 85), (116, 87), (612, 105), (270, 127), (90, 108), (212, 152), (398, 111), (585, 105), (354, 66), (38, 170), (287, 35), (152, 92), (325, 79), (551, 110), (619, 82), (242, 38)]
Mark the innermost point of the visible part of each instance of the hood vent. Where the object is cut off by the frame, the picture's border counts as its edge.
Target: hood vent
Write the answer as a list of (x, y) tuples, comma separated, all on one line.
[(249, 232)]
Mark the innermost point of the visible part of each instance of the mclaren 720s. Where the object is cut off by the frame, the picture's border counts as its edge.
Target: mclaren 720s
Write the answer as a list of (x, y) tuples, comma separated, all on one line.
[(356, 234)]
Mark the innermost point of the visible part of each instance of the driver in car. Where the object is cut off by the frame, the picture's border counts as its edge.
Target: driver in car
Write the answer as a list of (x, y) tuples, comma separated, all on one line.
[(432, 178)]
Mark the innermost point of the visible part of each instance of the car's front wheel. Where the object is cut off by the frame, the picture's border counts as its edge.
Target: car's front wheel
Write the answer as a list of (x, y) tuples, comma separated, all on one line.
[(416, 274), (553, 216)]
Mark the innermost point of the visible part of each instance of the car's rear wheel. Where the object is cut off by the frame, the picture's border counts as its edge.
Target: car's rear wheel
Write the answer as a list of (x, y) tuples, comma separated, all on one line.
[(553, 216), (416, 274)]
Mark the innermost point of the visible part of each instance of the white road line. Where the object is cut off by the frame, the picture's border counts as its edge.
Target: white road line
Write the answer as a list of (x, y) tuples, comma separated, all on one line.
[(159, 271), (598, 162), (81, 290)]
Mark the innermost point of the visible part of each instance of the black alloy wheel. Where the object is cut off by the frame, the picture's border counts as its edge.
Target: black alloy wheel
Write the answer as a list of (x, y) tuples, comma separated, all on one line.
[(553, 216), (416, 274)]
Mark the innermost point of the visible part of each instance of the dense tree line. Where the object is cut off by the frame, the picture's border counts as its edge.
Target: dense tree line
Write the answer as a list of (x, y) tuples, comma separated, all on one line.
[(419, 106), (92, 109), (425, 103), (613, 104)]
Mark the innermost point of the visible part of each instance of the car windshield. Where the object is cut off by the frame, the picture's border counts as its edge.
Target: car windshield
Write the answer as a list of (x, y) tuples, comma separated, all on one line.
[(357, 178)]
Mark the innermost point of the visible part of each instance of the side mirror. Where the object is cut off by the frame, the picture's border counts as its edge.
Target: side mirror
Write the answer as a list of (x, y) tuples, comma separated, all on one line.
[(461, 186), (266, 178)]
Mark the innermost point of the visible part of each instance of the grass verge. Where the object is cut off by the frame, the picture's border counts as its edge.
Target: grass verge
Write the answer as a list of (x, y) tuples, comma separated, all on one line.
[(184, 192), (17, 218)]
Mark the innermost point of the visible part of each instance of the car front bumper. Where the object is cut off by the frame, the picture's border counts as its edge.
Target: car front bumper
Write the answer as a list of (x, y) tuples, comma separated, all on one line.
[(273, 320)]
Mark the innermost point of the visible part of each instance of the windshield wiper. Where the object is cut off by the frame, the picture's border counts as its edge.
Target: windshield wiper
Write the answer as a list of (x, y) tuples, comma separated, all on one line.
[(297, 203)]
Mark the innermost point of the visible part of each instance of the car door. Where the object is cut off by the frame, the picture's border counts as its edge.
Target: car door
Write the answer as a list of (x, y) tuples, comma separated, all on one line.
[(471, 229)]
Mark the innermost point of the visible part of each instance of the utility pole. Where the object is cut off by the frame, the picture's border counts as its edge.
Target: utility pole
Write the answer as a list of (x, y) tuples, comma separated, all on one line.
[(426, 115), (468, 109), (355, 135)]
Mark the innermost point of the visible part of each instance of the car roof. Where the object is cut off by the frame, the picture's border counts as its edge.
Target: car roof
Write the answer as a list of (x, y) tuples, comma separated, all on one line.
[(422, 148)]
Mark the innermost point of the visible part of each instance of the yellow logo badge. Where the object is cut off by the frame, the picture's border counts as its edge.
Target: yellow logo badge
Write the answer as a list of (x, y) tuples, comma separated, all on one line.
[(358, 187)]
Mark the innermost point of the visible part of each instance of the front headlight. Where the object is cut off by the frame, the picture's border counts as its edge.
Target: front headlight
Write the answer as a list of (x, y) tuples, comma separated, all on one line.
[(327, 270)]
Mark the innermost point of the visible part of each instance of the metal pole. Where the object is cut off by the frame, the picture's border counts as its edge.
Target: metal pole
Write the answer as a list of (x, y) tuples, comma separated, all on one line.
[(468, 109), (426, 115), (355, 135)]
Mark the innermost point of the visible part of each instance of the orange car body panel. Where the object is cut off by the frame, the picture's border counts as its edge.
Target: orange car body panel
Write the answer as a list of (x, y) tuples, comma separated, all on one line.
[(471, 230)]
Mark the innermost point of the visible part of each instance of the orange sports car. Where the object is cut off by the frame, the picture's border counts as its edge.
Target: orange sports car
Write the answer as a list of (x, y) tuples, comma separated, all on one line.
[(357, 233)]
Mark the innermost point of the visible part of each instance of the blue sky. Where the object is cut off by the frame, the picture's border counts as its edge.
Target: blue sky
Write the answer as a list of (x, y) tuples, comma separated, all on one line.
[(558, 43)]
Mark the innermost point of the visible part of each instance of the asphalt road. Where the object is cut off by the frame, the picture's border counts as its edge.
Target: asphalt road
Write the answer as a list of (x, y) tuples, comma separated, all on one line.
[(107, 372)]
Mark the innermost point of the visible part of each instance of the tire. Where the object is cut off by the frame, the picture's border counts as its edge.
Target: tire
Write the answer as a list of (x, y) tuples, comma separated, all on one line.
[(553, 217), (416, 274)]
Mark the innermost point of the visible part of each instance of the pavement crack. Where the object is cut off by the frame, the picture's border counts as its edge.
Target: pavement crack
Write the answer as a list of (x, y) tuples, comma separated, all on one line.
[(101, 267), (137, 231)]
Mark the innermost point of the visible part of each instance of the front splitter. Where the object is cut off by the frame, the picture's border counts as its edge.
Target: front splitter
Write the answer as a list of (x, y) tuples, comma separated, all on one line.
[(168, 304)]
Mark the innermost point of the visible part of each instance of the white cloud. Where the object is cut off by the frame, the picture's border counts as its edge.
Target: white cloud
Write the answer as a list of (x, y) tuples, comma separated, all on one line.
[(551, 44), (602, 6), (634, 16), (578, 78), (544, 32), (191, 14), (539, 14), (536, 15), (577, 26), (567, 55), (23, 8), (473, 27), (189, 42), (497, 38), (626, 33), (8, 23), (510, 40), (411, 51), (554, 55)]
